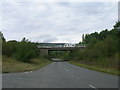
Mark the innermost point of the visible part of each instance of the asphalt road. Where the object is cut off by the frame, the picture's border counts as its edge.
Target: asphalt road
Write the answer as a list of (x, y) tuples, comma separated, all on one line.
[(56, 60), (60, 75)]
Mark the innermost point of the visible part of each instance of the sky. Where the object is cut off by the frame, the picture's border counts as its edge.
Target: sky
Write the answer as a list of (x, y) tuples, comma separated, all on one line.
[(56, 22)]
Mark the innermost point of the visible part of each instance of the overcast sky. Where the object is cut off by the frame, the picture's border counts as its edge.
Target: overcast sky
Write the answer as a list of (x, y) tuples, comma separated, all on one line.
[(56, 21)]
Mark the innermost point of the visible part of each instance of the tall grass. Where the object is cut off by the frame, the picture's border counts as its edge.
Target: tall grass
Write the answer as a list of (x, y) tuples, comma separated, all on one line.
[(11, 65)]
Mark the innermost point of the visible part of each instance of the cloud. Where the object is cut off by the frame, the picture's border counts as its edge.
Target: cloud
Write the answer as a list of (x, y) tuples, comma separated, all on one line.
[(45, 38), (56, 22)]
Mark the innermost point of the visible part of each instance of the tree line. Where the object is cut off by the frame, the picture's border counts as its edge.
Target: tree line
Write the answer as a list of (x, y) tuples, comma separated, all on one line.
[(24, 50), (102, 48)]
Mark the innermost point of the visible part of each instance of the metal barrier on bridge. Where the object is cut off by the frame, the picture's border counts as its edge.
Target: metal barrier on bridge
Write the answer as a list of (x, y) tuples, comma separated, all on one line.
[(40, 46)]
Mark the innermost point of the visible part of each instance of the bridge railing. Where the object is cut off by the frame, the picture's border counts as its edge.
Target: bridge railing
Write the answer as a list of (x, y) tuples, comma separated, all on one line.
[(59, 46), (44, 46)]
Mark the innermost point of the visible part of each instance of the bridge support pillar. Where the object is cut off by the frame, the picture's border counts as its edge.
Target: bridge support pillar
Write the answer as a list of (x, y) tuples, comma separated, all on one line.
[(43, 52)]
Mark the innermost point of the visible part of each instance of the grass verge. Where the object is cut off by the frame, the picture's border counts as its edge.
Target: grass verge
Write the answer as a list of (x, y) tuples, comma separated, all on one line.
[(10, 65), (97, 68)]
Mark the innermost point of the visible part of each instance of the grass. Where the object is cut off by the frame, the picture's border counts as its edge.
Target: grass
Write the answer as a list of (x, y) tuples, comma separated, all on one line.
[(97, 68), (10, 65)]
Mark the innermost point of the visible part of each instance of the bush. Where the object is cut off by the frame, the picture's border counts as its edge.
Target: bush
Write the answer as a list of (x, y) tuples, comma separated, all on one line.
[(26, 51), (102, 49), (9, 48), (23, 51)]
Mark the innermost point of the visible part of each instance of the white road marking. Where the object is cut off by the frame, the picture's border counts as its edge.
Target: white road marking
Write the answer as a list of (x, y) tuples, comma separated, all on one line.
[(28, 72), (72, 74), (77, 77), (92, 86), (24, 72), (66, 70)]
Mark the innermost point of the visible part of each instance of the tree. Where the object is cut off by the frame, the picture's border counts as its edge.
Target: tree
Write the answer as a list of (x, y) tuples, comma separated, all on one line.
[(103, 34), (1, 36), (24, 40), (117, 24), (83, 37), (26, 51), (9, 48)]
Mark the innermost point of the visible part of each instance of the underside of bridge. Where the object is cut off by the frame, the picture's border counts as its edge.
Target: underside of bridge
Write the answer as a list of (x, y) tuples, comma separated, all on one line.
[(45, 51)]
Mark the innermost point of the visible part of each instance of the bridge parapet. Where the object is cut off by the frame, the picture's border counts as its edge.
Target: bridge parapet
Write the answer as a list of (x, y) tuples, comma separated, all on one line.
[(44, 49), (40, 46)]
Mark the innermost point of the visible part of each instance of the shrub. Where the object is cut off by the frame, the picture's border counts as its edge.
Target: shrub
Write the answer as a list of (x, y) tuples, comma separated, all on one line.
[(26, 51), (9, 48)]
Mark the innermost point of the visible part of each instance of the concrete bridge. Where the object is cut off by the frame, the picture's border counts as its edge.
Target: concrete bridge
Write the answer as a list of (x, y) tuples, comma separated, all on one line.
[(44, 50)]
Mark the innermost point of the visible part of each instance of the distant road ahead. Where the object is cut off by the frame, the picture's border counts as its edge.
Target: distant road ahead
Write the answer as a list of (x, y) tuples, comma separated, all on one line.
[(60, 75)]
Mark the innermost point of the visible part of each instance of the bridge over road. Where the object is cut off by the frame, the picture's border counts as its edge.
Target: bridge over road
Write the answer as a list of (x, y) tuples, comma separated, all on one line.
[(44, 50)]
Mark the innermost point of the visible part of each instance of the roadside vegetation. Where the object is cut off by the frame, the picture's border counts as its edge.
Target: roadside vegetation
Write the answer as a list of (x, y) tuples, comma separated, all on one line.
[(102, 51), (60, 54), (11, 65), (20, 56)]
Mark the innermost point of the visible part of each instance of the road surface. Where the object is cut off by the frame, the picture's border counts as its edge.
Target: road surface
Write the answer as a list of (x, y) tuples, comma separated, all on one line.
[(60, 75)]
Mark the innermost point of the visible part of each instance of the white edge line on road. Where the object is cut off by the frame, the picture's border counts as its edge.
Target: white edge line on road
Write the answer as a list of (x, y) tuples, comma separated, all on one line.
[(92, 86), (24, 72)]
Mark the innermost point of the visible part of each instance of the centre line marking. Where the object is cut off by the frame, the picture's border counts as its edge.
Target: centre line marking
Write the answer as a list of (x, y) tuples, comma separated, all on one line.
[(91, 86), (77, 77), (67, 70)]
